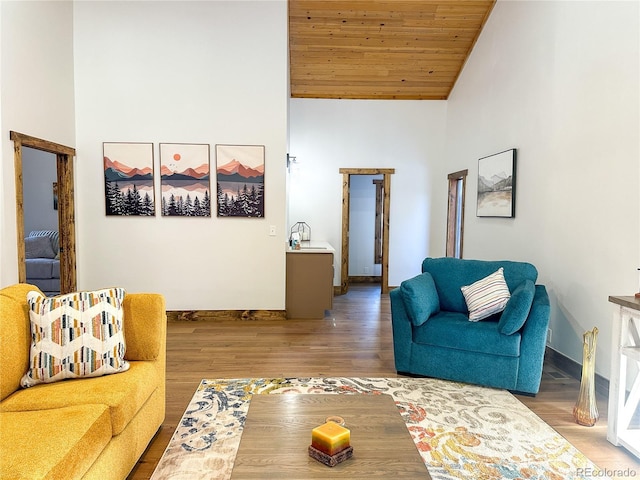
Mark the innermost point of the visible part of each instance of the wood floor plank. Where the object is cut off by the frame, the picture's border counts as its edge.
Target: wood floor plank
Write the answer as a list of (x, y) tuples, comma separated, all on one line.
[(353, 340)]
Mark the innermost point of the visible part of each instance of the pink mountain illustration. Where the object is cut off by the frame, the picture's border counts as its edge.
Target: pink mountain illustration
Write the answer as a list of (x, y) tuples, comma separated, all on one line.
[(198, 172), (203, 169), (127, 170), (234, 166), (194, 173)]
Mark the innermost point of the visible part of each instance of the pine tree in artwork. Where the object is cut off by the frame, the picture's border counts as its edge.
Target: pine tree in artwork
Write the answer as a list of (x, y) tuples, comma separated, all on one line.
[(206, 204), (173, 210), (219, 196), (222, 202), (188, 206), (114, 200), (180, 205), (223, 207), (136, 201), (260, 200), (253, 206), (147, 205), (128, 202), (246, 202), (164, 206), (197, 209)]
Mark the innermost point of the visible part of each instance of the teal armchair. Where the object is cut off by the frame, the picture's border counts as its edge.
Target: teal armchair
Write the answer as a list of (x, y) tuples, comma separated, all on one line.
[(433, 337)]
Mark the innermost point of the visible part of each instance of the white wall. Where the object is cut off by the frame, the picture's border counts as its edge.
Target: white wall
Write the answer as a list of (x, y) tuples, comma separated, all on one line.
[(183, 72), (36, 97), (38, 175), (559, 82), (326, 135)]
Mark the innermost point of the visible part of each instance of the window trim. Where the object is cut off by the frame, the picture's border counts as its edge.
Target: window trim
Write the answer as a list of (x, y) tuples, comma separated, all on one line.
[(455, 213)]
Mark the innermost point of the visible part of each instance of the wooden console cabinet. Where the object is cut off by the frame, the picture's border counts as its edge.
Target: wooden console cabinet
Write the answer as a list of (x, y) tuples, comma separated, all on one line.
[(625, 351), (309, 289)]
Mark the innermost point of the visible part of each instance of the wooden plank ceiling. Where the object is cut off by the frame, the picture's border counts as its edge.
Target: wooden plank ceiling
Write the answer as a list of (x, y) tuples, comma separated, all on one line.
[(381, 49)]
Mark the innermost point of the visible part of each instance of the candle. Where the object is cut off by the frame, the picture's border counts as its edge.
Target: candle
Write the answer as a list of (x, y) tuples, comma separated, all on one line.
[(330, 438)]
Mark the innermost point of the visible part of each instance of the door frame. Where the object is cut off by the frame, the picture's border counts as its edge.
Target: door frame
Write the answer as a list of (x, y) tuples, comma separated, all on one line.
[(66, 206), (344, 267)]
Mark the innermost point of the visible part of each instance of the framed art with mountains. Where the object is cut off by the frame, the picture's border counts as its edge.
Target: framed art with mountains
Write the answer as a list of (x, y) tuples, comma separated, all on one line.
[(240, 180), (128, 178), (497, 185), (185, 180)]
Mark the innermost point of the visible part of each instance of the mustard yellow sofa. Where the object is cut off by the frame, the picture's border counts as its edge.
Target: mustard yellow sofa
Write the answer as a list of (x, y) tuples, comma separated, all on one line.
[(88, 428)]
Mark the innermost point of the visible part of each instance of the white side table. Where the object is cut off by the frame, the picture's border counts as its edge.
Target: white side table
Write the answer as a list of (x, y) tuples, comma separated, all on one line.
[(626, 348)]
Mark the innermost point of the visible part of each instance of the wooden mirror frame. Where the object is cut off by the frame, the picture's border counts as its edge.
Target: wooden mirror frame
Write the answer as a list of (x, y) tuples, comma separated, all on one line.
[(66, 207)]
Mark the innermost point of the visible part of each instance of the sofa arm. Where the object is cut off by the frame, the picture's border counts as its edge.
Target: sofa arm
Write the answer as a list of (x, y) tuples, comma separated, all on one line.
[(145, 325), (402, 331), (533, 342)]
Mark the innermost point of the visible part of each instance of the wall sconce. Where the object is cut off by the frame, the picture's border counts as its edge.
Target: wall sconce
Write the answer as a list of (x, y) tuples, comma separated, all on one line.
[(291, 159)]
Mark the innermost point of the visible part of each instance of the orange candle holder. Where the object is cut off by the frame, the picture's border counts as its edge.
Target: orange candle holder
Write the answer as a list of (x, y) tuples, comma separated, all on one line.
[(330, 443)]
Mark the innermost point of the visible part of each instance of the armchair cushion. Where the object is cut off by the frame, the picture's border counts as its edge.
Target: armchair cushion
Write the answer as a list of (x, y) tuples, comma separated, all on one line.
[(452, 330), (420, 297), (517, 309)]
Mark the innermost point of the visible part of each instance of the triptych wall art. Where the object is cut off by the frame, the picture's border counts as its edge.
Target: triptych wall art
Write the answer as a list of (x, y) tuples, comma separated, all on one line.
[(185, 179)]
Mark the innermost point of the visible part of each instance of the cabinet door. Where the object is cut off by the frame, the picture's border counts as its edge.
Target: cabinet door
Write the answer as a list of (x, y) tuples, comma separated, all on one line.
[(309, 284)]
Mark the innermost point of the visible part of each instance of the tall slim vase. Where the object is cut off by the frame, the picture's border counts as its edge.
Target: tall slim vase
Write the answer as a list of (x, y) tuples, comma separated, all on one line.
[(585, 410)]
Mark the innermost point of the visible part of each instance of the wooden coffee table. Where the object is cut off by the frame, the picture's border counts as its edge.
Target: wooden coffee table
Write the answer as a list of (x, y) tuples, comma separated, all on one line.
[(277, 435)]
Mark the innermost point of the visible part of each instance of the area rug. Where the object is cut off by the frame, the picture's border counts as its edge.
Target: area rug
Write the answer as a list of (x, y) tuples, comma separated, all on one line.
[(461, 431)]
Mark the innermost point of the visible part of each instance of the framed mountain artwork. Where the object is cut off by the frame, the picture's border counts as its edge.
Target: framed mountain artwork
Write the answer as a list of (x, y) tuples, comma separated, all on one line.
[(240, 180), (497, 185), (185, 180), (128, 178)]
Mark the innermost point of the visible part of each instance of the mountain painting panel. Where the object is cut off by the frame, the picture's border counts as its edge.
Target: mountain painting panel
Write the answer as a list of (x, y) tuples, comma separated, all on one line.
[(185, 180), (496, 185), (240, 180), (128, 178)]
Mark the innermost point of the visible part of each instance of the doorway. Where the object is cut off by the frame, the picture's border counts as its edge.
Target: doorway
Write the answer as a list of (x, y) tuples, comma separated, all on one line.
[(385, 192), (66, 206), (365, 228)]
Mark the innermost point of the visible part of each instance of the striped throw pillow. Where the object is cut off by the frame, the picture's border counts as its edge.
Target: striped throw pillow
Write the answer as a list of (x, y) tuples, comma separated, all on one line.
[(75, 335), (487, 296)]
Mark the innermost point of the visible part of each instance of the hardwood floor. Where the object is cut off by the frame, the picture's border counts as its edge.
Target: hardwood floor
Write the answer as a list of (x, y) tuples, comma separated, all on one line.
[(355, 340)]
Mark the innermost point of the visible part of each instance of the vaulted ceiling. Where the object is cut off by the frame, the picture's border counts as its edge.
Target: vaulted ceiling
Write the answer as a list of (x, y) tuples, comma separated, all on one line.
[(381, 49)]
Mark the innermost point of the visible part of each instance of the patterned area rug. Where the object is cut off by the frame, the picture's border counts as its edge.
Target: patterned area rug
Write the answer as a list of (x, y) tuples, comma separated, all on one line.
[(461, 431)]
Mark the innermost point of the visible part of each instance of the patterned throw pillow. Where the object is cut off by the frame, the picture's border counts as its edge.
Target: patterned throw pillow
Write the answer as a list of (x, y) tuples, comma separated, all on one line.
[(75, 335), (486, 296)]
